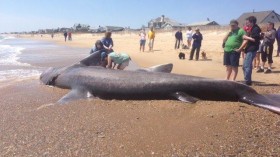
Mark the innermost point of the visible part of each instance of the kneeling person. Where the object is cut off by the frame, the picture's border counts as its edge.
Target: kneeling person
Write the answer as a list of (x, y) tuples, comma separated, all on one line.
[(121, 59)]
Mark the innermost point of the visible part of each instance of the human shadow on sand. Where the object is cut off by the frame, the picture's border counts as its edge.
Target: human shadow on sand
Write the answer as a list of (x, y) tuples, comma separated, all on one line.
[(275, 72), (263, 84), (205, 59)]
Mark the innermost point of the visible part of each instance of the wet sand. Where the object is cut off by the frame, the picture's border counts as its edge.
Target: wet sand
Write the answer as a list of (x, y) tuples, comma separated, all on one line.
[(138, 128), (131, 128)]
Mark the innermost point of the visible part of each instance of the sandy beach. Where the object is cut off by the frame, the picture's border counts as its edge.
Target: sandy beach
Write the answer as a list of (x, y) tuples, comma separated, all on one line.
[(98, 127)]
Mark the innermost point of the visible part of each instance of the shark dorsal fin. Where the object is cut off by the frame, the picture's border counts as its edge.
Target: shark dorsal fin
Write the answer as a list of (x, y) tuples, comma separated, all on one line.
[(164, 68)]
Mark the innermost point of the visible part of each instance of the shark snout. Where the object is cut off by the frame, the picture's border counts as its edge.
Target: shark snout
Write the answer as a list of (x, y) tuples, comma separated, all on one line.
[(48, 76)]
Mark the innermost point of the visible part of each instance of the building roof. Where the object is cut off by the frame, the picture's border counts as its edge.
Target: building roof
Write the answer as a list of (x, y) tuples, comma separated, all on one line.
[(167, 21), (174, 24), (259, 15), (203, 23)]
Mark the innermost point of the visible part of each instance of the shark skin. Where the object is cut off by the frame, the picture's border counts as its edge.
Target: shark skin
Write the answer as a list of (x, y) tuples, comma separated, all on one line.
[(156, 83)]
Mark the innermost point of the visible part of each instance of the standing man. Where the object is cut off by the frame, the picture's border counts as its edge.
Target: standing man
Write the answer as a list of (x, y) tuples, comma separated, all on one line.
[(178, 38), (268, 42), (278, 41), (151, 36), (65, 36), (232, 42), (197, 38), (251, 48)]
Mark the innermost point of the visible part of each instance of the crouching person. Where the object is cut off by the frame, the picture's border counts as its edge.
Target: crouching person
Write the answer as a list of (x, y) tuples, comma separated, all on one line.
[(119, 59)]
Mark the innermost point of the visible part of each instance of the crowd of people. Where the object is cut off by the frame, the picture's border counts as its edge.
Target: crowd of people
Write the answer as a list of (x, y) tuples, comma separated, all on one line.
[(255, 44), (65, 34), (249, 43)]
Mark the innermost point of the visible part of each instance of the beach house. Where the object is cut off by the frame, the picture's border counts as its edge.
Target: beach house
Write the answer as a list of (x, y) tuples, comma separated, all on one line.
[(262, 17), (81, 27), (165, 23)]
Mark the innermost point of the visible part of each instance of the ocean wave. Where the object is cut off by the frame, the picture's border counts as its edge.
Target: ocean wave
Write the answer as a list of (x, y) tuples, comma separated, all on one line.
[(18, 74), (9, 55), (6, 37)]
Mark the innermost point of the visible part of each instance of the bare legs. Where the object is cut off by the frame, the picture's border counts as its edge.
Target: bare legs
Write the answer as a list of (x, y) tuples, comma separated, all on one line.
[(231, 70), (151, 44), (189, 43), (142, 48)]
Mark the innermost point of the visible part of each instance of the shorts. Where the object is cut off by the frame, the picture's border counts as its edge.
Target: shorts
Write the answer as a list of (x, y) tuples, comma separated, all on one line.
[(267, 54), (142, 42), (231, 58), (124, 64)]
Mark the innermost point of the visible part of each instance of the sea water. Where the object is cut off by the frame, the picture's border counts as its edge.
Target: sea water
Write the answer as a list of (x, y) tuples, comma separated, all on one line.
[(22, 59), (11, 69)]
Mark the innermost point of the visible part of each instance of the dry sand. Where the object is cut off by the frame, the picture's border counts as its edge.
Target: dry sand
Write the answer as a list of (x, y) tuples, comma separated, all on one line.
[(139, 128)]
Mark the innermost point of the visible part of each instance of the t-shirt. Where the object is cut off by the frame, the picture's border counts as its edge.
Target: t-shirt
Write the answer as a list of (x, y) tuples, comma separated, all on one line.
[(179, 35), (107, 41), (234, 40), (269, 38), (197, 38), (119, 58), (142, 36), (151, 34), (189, 34)]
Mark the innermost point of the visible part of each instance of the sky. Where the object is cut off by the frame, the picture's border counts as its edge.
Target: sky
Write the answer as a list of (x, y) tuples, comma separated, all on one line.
[(28, 15)]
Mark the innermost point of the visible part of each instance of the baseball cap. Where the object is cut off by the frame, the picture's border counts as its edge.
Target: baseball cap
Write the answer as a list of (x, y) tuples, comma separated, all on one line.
[(233, 22)]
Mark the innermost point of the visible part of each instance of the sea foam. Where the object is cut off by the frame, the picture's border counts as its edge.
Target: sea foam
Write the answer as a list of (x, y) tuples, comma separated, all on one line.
[(9, 55)]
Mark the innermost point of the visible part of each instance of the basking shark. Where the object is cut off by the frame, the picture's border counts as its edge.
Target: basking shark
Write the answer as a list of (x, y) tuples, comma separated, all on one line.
[(153, 84)]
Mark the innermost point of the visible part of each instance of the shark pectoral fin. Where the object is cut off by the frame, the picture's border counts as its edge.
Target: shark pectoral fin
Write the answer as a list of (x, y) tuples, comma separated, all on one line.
[(164, 68), (74, 94), (184, 97)]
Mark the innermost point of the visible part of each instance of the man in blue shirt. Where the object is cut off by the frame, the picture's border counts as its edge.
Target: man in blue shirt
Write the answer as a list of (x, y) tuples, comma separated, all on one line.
[(197, 39), (107, 42), (278, 41), (252, 46), (179, 38)]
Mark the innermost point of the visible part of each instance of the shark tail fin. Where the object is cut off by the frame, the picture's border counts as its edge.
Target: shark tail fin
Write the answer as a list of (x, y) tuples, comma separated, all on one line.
[(268, 101)]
